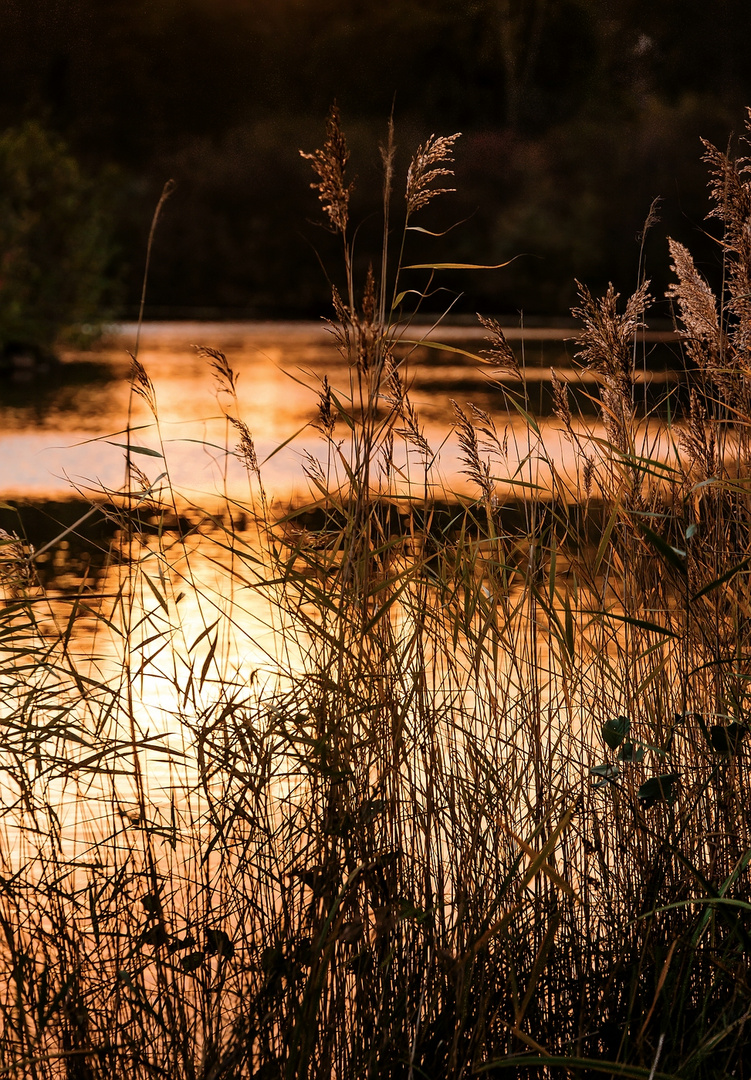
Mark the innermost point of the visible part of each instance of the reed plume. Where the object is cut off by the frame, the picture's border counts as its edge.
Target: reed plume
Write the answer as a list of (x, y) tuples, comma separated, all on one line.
[(330, 163), (477, 468), (499, 354), (480, 806), (429, 163), (142, 384), (326, 421), (718, 330), (608, 336), (220, 366)]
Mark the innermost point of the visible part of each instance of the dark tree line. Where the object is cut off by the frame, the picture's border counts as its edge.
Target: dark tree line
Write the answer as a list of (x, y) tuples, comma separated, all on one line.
[(575, 114)]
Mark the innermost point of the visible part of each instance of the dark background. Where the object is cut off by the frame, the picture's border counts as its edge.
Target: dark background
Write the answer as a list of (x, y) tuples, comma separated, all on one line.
[(575, 114)]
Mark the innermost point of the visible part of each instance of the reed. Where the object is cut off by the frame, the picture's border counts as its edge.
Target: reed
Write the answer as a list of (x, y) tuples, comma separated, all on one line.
[(478, 804)]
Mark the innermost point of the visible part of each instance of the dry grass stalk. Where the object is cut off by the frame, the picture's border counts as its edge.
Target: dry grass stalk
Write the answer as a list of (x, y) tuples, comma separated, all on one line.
[(429, 163), (608, 336), (476, 467), (469, 819), (220, 365), (327, 415), (330, 164), (500, 353)]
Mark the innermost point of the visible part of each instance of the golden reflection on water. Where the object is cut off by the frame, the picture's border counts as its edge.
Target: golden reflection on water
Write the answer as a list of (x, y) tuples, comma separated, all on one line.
[(195, 626), (64, 432)]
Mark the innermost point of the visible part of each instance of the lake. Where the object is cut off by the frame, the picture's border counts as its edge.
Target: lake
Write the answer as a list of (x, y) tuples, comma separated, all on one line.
[(252, 751), (61, 432), (62, 440)]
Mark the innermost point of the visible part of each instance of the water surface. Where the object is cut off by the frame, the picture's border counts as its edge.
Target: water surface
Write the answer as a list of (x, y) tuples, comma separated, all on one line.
[(190, 623), (61, 432)]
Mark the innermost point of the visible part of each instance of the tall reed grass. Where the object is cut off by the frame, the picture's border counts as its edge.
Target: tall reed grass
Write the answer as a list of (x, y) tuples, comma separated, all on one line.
[(478, 804)]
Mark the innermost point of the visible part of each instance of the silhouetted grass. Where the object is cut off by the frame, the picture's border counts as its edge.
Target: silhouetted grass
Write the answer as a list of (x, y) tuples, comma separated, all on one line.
[(399, 784)]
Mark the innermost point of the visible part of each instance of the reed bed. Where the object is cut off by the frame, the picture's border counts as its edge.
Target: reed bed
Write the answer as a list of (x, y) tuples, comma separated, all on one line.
[(442, 787)]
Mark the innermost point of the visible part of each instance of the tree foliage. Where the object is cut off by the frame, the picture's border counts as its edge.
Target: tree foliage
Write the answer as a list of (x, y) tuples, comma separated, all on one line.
[(575, 114), (55, 243)]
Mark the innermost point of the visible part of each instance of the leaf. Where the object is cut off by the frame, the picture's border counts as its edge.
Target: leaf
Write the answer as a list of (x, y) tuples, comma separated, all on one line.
[(218, 942), (659, 789), (722, 579), (674, 556), (643, 624), (444, 232), (538, 859), (630, 753), (615, 730), (157, 593), (150, 903), (398, 299), (605, 770), (696, 717), (409, 910), (272, 959), (459, 266), (155, 935), (606, 533), (710, 482), (204, 633), (181, 943), (209, 659), (683, 717), (726, 740), (350, 932), (430, 344), (136, 449), (192, 961), (581, 1065), (370, 809)]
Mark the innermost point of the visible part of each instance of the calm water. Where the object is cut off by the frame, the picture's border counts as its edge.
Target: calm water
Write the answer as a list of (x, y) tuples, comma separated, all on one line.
[(59, 432), (61, 438)]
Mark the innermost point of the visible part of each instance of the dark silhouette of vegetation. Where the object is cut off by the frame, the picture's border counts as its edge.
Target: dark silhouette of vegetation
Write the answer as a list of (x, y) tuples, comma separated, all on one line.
[(56, 247), (568, 108), (369, 786)]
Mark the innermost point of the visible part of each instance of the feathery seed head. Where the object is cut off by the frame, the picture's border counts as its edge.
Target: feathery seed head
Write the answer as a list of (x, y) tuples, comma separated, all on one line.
[(223, 373), (246, 450), (368, 299), (730, 188), (500, 353), (561, 406), (142, 384), (484, 423), (426, 166), (388, 151), (696, 304), (477, 469), (588, 474), (412, 432), (330, 164), (698, 441), (607, 339), (326, 412)]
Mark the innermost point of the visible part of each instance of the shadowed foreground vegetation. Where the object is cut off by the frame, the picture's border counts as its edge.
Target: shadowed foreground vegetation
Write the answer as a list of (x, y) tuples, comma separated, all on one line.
[(473, 801)]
